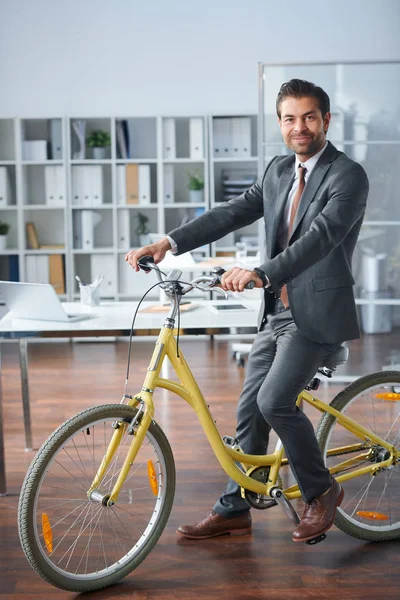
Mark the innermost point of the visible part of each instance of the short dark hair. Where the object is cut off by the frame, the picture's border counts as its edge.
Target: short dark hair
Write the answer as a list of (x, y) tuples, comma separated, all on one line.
[(299, 88)]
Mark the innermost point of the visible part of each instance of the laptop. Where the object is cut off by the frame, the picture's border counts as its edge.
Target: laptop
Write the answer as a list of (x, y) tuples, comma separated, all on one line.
[(37, 301)]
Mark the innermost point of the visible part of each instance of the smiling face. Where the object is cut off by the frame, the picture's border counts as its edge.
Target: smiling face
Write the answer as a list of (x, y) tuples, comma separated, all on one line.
[(302, 126)]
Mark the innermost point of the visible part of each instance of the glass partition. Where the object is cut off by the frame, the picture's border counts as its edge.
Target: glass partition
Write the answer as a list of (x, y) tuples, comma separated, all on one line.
[(365, 124)]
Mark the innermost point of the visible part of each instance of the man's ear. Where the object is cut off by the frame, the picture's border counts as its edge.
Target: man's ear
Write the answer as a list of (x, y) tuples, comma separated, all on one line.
[(327, 120)]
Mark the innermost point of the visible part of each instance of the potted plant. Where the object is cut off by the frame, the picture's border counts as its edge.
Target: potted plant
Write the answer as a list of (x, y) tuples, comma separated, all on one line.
[(99, 140), (4, 229), (142, 229), (196, 187)]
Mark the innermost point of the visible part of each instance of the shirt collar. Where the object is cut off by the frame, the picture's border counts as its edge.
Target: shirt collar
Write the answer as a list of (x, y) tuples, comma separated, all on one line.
[(310, 163)]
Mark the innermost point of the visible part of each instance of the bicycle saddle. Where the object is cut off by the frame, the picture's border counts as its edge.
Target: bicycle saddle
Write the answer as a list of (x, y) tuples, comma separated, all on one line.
[(339, 357)]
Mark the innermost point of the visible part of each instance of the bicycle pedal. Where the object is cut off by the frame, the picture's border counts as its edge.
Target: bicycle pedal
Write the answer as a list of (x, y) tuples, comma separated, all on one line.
[(316, 540)]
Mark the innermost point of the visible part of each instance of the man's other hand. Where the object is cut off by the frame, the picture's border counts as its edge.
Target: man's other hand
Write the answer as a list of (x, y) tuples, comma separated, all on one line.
[(157, 250), (236, 279)]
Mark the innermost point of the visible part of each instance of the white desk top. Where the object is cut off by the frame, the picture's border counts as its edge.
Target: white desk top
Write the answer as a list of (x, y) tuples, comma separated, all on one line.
[(115, 319)]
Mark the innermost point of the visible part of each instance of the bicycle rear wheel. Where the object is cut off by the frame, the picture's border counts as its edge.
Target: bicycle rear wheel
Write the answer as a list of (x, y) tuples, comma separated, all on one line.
[(80, 544), (371, 506)]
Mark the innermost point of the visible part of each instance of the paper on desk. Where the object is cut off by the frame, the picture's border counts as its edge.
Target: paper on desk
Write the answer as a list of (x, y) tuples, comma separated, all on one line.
[(162, 308)]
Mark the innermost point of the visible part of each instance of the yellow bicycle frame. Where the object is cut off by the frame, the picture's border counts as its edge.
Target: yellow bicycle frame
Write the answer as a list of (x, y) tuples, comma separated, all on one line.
[(227, 456)]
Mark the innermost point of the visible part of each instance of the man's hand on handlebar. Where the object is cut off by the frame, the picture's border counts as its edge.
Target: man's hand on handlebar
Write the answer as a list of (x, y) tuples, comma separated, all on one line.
[(235, 279), (157, 250)]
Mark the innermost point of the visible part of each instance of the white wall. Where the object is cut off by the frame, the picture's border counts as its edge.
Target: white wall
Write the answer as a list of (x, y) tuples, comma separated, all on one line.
[(101, 57)]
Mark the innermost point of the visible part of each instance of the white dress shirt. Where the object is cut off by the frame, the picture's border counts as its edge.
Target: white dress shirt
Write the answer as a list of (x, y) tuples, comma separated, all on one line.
[(309, 165), (284, 227)]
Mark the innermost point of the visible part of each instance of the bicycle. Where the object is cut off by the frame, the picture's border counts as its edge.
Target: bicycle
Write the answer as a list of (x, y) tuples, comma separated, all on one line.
[(99, 492)]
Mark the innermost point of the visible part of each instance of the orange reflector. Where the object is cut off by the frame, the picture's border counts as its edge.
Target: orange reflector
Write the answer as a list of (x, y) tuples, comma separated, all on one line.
[(372, 516), (151, 472), (47, 533), (389, 396)]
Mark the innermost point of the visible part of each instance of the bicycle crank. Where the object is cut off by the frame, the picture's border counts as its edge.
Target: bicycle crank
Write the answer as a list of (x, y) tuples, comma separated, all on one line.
[(255, 500), (290, 512)]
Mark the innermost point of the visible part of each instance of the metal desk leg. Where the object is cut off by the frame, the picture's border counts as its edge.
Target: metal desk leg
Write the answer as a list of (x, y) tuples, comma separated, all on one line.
[(23, 361), (3, 483)]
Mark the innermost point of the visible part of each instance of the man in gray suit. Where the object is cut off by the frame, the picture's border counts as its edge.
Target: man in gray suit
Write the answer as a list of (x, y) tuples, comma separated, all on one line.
[(313, 204)]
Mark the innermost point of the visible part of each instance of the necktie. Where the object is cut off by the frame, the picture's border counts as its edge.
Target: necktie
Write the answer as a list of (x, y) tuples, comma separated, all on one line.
[(293, 211)]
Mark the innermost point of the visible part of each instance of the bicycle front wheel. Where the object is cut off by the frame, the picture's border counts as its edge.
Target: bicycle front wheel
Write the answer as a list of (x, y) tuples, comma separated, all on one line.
[(79, 543), (371, 506)]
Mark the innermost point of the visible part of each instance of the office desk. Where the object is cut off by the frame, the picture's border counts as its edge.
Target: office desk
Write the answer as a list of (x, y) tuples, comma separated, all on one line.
[(113, 319)]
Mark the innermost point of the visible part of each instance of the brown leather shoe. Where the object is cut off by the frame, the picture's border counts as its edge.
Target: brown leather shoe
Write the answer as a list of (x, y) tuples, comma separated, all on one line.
[(319, 514), (215, 524)]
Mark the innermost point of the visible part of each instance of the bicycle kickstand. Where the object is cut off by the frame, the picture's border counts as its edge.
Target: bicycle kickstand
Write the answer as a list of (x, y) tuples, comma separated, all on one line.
[(278, 495)]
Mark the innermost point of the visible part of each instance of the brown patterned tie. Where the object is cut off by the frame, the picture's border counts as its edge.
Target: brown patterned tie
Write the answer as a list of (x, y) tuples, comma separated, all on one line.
[(293, 211)]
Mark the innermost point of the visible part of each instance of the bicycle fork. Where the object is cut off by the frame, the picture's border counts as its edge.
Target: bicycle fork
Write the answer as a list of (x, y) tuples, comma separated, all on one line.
[(142, 419)]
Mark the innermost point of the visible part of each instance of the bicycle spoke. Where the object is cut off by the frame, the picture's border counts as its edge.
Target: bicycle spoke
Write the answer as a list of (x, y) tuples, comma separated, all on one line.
[(88, 542), (371, 506), (69, 514), (73, 477), (70, 457), (61, 503), (82, 530), (390, 430), (79, 535)]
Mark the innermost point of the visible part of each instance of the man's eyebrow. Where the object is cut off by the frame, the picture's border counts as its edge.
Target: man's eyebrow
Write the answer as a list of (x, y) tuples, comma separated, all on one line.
[(310, 112)]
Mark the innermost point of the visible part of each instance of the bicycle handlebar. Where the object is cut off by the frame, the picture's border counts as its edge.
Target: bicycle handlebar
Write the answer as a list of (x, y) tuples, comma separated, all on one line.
[(147, 264)]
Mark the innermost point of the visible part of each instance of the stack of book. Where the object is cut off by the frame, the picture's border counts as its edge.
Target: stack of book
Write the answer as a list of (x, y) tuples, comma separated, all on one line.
[(234, 182)]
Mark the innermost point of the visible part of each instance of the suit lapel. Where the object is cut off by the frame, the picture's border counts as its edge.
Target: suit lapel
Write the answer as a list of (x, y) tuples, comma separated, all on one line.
[(314, 182), (285, 184)]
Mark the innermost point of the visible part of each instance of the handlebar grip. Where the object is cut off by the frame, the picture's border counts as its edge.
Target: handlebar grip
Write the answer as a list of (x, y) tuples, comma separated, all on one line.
[(142, 263), (248, 286)]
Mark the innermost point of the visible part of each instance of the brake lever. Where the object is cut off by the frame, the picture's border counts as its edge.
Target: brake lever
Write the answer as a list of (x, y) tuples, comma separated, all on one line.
[(221, 291), (213, 288)]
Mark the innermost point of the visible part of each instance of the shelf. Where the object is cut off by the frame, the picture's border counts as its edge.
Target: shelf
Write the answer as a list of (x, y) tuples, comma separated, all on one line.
[(235, 159), (183, 160), (95, 251), (381, 301), (9, 251), (6, 163), (90, 161), (185, 205), (46, 251), (134, 161), (42, 207), (381, 223), (9, 207), (107, 206), (138, 206), (38, 163)]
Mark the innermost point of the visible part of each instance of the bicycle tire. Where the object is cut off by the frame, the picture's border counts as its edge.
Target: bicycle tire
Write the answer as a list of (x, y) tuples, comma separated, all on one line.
[(51, 455), (353, 525)]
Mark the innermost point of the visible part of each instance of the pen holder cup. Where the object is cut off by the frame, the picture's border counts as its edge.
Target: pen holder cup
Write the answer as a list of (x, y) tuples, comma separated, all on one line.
[(90, 295)]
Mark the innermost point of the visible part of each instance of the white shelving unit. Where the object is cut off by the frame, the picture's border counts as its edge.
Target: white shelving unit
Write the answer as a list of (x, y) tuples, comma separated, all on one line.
[(144, 172), (233, 168)]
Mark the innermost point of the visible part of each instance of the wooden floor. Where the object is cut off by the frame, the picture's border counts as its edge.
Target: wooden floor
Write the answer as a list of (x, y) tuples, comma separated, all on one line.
[(66, 378)]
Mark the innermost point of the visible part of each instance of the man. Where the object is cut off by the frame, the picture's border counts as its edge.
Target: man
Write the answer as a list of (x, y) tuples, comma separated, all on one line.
[(313, 205)]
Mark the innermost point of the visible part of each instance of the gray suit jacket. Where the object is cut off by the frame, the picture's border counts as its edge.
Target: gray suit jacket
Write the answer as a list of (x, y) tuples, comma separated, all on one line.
[(316, 266)]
